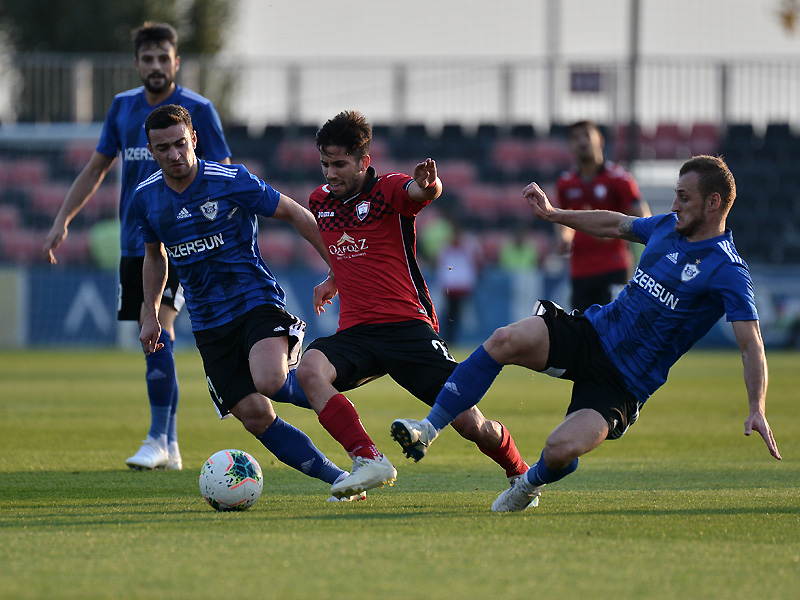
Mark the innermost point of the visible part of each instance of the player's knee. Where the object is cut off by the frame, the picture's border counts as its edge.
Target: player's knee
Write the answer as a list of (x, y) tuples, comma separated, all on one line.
[(255, 413), (485, 433), (501, 344), (270, 381)]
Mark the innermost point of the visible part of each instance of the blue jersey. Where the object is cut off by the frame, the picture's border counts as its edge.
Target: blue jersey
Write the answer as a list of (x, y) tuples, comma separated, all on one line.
[(123, 133), (210, 233), (679, 291)]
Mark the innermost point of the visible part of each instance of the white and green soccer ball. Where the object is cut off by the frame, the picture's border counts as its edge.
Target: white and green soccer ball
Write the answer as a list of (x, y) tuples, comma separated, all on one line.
[(231, 480)]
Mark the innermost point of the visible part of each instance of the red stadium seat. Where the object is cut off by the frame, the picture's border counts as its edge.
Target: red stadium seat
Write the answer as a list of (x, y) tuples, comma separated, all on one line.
[(704, 138), (670, 142), (278, 247), (22, 246)]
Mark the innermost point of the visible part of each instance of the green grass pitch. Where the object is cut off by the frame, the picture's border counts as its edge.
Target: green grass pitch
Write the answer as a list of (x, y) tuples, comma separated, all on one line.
[(684, 506)]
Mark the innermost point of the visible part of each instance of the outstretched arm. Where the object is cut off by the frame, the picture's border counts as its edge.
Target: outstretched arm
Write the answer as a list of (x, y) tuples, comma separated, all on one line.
[(599, 223), (748, 336), (154, 276)]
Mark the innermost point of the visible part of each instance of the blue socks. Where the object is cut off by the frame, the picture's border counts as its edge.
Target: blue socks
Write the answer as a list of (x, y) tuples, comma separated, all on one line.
[(291, 392), (162, 390), (294, 448), (465, 387), (540, 473)]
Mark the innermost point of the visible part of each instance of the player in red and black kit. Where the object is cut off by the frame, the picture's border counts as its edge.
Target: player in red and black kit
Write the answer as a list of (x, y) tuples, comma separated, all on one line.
[(387, 322), (597, 266)]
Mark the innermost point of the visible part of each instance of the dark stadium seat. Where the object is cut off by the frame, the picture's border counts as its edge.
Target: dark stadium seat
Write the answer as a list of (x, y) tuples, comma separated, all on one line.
[(523, 131)]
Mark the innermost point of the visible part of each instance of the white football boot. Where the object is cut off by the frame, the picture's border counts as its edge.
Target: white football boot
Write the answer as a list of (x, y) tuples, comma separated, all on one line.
[(413, 436), (361, 496), (519, 496), (174, 463), (367, 473), (152, 455)]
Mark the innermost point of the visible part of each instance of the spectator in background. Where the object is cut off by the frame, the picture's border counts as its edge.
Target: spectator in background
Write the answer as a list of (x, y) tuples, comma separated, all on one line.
[(157, 61), (519, 253), (458, 269), (598, 268)]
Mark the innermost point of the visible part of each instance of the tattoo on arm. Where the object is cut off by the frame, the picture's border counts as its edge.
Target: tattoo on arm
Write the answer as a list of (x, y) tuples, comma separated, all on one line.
[(626, 230)]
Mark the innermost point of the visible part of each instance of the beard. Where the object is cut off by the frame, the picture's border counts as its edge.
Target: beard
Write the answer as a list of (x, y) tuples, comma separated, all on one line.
[(156, 88), (692, 227)]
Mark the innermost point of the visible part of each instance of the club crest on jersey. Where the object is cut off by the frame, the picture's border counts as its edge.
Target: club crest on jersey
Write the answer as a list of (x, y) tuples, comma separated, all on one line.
[(362, 210), (690, 271), (209, 209)]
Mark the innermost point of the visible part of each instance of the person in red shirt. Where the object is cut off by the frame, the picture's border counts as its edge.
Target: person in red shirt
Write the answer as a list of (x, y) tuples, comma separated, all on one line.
[(598, 267), (387, 322)]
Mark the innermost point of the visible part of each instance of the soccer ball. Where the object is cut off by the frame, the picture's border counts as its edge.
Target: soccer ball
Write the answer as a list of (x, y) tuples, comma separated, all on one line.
[(231, 480)]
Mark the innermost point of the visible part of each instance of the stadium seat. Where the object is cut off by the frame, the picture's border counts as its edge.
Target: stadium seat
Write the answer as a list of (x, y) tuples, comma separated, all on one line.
[(704, 139), (22, 172), (46, 198), (670, 142), (10, 218), (480, 204), (523, 131), (22, 246), (457, 174), (278, 247)]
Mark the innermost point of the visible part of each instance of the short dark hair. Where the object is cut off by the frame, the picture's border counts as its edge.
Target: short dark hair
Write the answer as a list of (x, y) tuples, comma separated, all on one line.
[(585, 124), (166, 116), (350, 130), (715, 176), (154, 33)]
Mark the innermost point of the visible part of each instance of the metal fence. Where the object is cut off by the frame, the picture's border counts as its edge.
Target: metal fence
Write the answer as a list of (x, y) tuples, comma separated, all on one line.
[(66, 88)]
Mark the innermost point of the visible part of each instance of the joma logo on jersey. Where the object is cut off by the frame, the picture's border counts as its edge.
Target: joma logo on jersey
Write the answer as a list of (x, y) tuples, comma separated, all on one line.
[(324, 213), (137, 154), (655, 289), (347, 245)]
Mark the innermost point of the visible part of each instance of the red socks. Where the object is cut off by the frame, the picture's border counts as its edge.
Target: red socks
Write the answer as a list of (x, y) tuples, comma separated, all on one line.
[(507, 456), (340, 419)]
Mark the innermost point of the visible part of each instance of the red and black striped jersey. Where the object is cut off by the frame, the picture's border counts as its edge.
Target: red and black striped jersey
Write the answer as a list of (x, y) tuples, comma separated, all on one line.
[(371, 239)]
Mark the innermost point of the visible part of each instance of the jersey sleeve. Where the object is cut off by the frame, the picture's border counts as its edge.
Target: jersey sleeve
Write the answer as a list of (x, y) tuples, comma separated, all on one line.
[(253, 194), (643, 227), (110, 143), (734, 289), (140, 214), (400, 199), (210, 138)]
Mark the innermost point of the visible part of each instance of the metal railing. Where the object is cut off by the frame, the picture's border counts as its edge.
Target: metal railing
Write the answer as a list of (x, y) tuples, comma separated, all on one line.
[(68, 88)]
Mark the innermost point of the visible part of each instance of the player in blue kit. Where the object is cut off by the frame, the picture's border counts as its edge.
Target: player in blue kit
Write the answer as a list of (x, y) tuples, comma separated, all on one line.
[(203, 216), (157, 61), (617, 355)]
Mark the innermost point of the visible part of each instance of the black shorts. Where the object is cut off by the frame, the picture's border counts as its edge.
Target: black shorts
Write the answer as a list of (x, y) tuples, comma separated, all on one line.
[(131, 289), (410, 352), (225, 351), (598, 289), (577, 354)]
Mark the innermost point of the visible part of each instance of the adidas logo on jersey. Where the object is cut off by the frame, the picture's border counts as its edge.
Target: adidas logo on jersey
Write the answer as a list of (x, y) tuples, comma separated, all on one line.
[(673, 258), (184, 214)]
